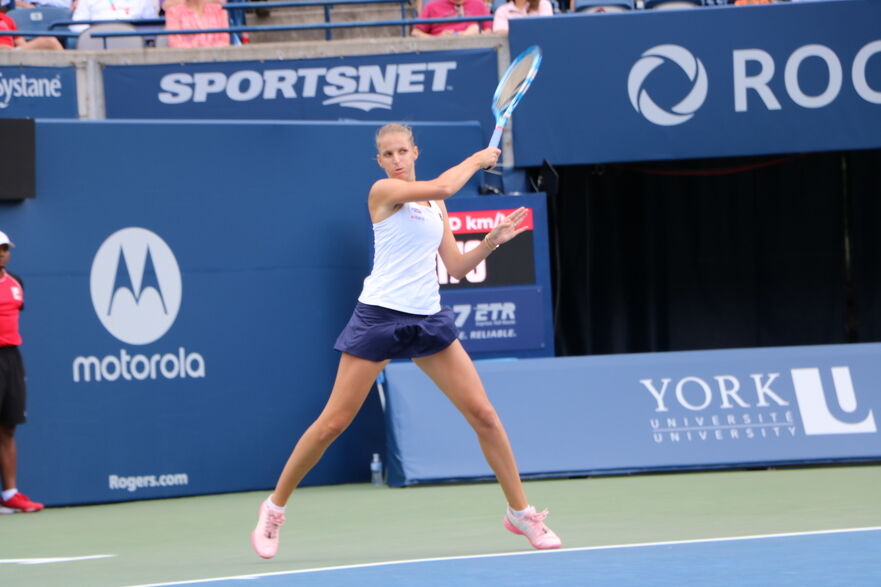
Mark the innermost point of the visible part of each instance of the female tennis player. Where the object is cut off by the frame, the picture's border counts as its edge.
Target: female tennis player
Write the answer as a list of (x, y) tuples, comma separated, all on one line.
[(398, 315)]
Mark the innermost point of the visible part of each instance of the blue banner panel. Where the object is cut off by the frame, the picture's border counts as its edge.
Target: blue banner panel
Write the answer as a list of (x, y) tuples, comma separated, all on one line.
[(179, 320), (711, 82), (503, 306), (644, 412), (38, 92), (501, 320), (450, 85)]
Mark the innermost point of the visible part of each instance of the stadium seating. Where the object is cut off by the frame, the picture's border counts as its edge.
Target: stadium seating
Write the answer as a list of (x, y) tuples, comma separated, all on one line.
[(38, 19), (344, 12), (602, 5), (671, 4), (87, 42)]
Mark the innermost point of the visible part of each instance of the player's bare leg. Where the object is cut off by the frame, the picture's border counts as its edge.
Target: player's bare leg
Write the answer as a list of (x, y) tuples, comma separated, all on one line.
[(355, 377)]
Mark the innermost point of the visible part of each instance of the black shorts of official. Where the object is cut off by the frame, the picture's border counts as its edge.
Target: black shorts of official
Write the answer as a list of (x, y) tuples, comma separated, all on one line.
[(13, 396), (376, 333)]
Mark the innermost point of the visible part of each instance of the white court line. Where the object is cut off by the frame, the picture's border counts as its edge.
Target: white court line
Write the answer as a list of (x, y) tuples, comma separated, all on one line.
[(523, 553), (49, 560)]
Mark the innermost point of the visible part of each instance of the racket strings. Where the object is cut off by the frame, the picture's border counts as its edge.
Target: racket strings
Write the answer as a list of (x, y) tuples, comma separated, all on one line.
[(518, 80), (512, 86)]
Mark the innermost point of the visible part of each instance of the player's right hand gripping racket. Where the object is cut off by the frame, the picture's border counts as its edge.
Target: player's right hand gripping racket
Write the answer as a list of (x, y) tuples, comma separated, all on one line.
[(511, 88)]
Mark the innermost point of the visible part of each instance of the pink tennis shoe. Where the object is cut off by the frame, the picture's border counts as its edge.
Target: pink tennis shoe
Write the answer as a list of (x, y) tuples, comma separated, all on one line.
[(532, 526), (265, 536)]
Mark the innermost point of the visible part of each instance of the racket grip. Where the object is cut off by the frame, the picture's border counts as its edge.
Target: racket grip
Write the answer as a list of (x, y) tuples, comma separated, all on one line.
[(497, 137)]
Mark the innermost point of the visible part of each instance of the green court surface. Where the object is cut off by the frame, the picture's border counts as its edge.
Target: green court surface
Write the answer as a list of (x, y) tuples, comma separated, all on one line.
[(192, 538)]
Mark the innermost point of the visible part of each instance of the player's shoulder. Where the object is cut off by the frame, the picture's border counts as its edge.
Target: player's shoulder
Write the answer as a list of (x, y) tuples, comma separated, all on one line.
[(382, 181), (384, 185), (377, 188)]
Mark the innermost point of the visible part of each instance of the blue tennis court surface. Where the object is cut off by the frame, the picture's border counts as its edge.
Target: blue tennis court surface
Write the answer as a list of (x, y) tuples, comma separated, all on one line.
[(849, 558)]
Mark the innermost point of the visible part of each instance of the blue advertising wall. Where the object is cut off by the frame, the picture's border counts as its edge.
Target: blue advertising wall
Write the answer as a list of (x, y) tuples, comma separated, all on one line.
[(435, 85), (710, 82), (182, 297), (646, 412), (634, 86), (29, 92)]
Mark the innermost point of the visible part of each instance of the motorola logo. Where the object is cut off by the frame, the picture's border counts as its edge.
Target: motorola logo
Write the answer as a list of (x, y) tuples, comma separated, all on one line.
[(652, 59), (135, 284), (136, 292)]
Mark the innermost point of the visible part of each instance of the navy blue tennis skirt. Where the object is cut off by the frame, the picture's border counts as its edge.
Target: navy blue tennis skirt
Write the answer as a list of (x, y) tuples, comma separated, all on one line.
[(376, 333)]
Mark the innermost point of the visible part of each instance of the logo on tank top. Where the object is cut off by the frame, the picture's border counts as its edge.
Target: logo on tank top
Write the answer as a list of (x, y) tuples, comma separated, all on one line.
[(135, 284)]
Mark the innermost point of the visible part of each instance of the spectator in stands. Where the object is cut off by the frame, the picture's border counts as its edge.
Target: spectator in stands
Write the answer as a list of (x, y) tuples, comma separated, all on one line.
[(452, 9), (13, 396), (517, 9), (123, 10), (197, 14), (398, 315), (10, 42)]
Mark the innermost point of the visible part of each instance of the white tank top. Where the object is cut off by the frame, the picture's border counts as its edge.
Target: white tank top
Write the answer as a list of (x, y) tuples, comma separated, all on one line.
[(404, 275)]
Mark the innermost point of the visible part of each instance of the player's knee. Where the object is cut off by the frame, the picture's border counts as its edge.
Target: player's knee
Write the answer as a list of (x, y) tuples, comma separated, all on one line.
[(484, 419), (330, 427)]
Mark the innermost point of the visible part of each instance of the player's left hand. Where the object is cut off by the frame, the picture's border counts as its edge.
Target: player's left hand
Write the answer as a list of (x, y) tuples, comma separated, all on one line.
[(507, 228)]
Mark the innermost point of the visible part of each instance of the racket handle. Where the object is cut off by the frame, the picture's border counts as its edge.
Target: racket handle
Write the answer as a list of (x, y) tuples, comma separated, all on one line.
[(497, 137)]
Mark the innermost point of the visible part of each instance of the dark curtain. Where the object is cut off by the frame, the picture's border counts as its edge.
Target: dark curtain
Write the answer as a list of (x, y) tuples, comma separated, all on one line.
[(863, 192), (717, 254)]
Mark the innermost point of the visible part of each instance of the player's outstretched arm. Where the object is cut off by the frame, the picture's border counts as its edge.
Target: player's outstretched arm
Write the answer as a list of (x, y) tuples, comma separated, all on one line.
[(391, 191), (458, 264)]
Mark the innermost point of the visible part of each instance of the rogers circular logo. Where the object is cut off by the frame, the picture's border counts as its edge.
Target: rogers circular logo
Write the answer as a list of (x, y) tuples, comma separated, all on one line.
[(653, 58), (135, 284)]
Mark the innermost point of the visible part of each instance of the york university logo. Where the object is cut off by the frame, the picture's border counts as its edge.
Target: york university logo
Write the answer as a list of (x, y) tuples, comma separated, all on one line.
[(837, 412), (135, 284), (739, 408), (652, 59)]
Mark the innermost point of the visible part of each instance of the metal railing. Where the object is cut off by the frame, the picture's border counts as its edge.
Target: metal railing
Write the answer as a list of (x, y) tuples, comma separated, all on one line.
[(297, 27), (327, 4), (327, 26)]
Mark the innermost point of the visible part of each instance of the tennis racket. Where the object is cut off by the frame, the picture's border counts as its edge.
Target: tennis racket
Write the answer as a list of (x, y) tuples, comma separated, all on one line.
[(511, 88)]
